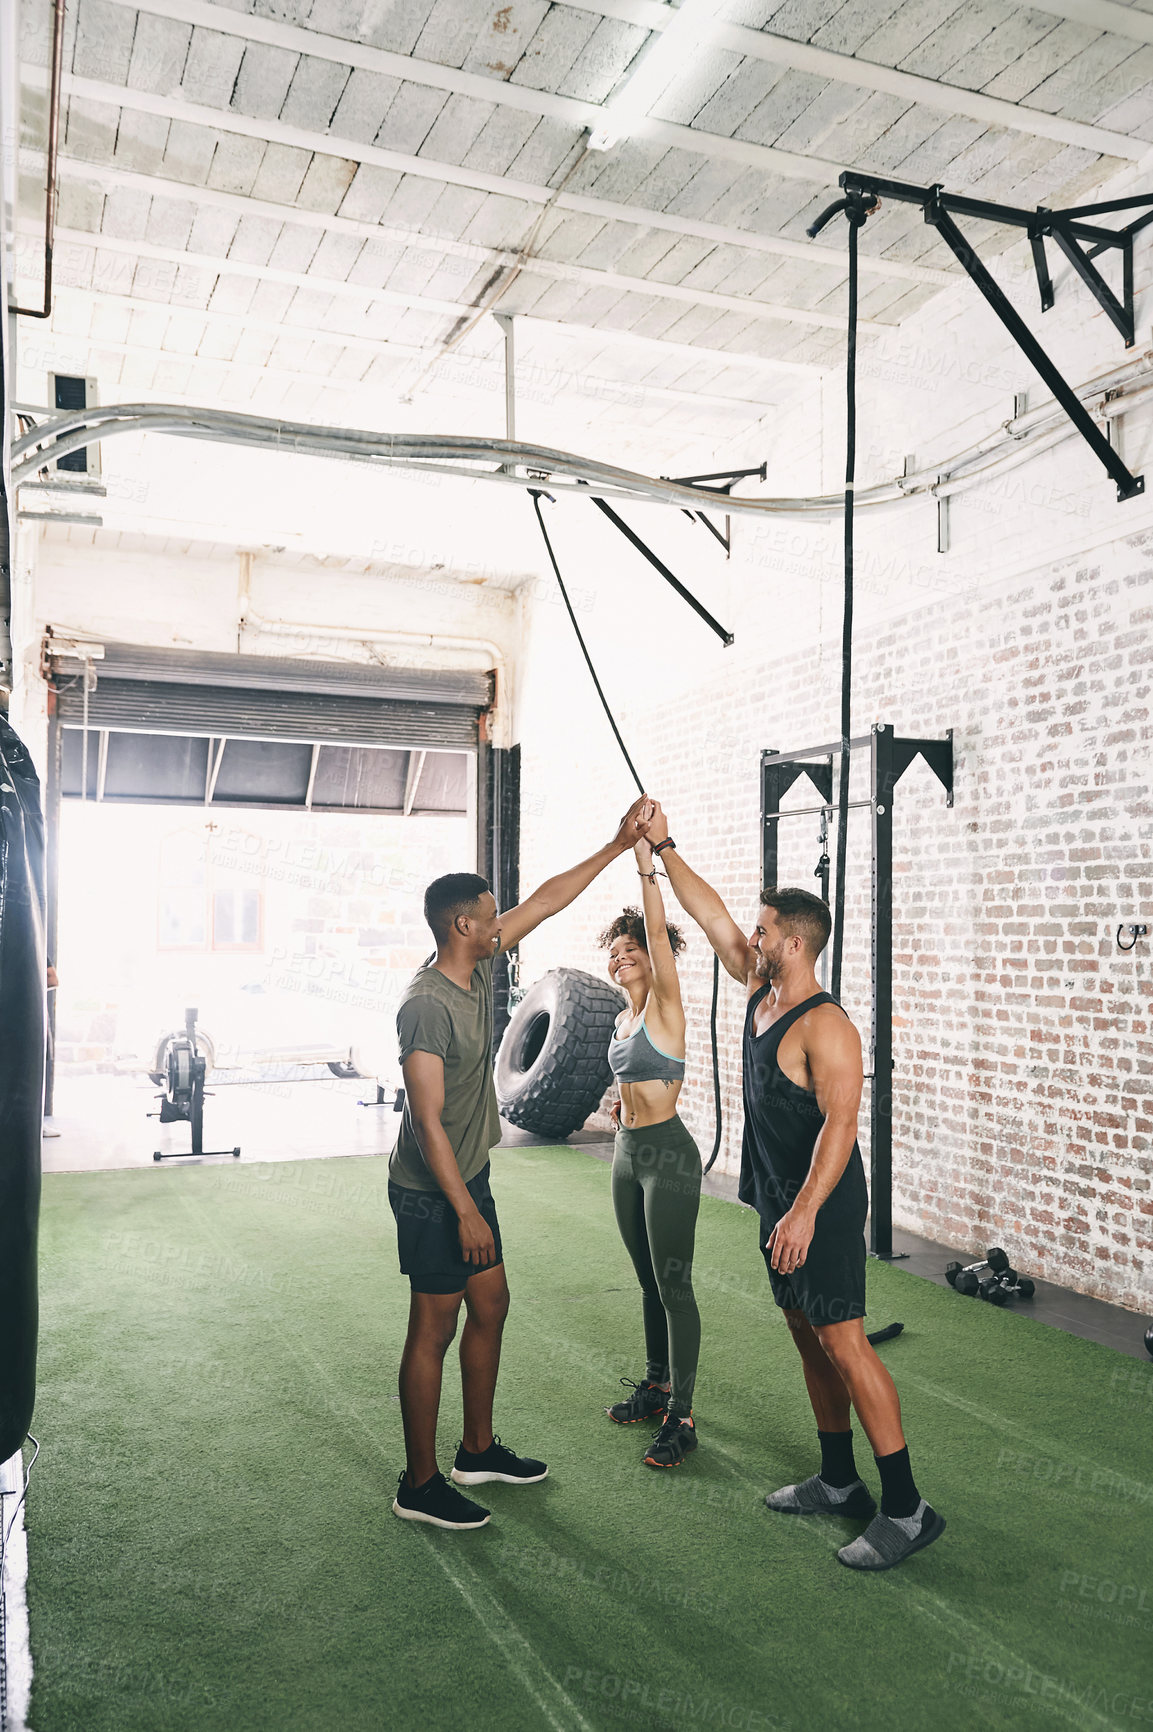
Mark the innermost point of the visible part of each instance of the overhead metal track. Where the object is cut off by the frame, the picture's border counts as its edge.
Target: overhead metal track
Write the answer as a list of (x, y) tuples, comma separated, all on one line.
[(1014, 441)]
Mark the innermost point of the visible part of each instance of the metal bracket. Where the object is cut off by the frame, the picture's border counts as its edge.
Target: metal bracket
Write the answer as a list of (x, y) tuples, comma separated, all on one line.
[(729, 477), (1080, 242), (674, 582), (938, 754)]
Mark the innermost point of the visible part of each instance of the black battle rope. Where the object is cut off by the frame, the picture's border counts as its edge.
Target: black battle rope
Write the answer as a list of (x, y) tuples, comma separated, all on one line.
[(856, 207), (856, 217), (536, 498), (535, 495)]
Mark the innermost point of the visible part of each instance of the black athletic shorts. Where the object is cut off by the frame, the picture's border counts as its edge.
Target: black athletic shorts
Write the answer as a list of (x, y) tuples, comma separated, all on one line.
[(829, 1286), (428, 1240)]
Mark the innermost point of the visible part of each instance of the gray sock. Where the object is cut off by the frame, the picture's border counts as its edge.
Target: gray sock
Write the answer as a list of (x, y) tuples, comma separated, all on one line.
[(838, 1493), (911, 1525)]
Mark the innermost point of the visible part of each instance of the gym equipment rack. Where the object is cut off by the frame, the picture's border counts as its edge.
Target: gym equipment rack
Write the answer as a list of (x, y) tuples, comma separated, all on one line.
[(889, 757)]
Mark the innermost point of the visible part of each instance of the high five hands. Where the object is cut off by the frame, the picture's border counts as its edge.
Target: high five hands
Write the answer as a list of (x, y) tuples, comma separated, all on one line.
[(657, 828), (634, 824)]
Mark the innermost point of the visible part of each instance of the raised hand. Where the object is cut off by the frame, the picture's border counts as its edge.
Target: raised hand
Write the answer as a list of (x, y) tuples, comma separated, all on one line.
[(634, 824), (657, 827)]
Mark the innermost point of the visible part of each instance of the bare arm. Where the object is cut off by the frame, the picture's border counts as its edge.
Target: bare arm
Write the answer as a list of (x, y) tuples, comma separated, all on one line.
[(833, 1052), (556, 893), (701, 901), (666, 984), (834, 1056), (424, 1082)]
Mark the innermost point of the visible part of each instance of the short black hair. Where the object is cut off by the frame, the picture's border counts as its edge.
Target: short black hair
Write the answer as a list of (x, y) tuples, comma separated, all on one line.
[(800, 912), (455, 893), (630, 923)]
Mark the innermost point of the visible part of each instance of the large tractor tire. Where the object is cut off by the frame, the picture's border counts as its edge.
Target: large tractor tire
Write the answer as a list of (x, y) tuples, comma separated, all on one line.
[(552, 1067)]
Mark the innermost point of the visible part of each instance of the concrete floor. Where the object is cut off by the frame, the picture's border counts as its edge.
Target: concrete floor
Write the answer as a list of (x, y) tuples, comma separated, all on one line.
[(307, 1114), (301, 1113)]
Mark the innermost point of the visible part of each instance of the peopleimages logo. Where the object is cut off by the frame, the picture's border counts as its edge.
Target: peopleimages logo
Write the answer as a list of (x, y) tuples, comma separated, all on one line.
[(622, 1697)]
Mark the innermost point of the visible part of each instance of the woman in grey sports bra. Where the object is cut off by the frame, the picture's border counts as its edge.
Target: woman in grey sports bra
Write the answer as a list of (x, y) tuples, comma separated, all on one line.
[(656, 1176)]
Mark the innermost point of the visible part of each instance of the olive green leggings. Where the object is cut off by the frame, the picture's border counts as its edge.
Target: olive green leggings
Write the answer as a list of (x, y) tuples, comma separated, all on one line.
[(656, 1185)]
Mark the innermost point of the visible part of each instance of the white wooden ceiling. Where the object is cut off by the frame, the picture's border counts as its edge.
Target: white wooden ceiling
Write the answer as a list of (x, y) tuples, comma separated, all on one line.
[(294, 207)]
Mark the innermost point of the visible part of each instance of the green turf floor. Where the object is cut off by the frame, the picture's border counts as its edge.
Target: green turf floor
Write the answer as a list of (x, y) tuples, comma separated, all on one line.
[(212, 1550)]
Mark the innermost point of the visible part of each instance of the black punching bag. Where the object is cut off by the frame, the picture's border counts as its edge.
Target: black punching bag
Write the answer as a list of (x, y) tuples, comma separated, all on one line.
[(22, 987)]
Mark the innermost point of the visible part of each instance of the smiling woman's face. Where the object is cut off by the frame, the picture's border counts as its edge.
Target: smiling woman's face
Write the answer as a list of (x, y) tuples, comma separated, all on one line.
[(629, 962)]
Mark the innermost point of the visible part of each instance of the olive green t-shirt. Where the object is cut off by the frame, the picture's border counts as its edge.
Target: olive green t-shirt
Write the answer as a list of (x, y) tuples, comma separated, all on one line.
[(437, 1016)]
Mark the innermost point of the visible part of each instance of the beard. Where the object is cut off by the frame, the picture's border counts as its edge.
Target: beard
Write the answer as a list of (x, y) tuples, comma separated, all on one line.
[(768, 965)]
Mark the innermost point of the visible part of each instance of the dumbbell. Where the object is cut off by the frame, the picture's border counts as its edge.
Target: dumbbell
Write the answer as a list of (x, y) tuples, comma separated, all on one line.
[(992, 1289), (965, 1277), (1017, 1286)]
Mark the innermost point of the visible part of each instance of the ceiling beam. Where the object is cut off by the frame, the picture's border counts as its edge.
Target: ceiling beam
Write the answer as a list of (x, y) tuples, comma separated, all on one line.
[(820, 258), (489, 257), (661, 348), (58, 348), (930, 92), (1097, 14), (310, 281), (581, 116), (736, 38), (427, 168)]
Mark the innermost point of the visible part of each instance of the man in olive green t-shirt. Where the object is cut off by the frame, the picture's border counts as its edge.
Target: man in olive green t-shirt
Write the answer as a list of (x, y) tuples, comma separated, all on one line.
[(437, 1016), (448, 1234)]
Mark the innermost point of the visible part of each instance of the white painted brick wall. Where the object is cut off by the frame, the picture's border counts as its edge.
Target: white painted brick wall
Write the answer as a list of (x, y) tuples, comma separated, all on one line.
[(1023, 1100)]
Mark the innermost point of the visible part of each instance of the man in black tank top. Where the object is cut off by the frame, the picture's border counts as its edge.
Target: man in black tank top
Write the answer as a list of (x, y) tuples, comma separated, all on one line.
[(801, 1170)]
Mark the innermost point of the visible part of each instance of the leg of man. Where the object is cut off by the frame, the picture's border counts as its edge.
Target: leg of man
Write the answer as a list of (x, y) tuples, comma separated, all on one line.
[(431, 1327), (486, 1299), (837, 1489), (906, 1522), (870, 1388), (827, 1392)]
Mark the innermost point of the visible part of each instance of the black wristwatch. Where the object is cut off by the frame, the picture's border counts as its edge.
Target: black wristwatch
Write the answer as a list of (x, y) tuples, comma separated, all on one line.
[(661, 846)]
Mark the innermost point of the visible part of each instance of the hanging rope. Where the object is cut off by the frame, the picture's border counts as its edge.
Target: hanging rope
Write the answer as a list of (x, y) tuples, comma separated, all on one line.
[(536, 495), (856, 207), (847, 616)]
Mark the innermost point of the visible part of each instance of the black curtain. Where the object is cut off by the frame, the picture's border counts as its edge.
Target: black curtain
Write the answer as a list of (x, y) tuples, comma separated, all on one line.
[(22, 993), (502, 858)]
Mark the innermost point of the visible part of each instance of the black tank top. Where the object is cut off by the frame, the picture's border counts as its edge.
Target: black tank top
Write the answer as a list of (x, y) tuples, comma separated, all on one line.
[(782, 1123)]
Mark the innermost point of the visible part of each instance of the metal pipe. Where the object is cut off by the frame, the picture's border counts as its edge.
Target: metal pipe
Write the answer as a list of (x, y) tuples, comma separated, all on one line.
[(505, 321), (808, 811), (1015, 440), (51, 183)]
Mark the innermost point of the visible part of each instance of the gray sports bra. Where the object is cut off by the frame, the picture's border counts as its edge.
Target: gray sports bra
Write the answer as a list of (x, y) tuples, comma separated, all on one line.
[(638, 1059)]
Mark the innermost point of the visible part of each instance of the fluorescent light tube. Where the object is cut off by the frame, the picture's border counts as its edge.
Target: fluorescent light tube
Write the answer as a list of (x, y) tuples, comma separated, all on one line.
[(660, 61)]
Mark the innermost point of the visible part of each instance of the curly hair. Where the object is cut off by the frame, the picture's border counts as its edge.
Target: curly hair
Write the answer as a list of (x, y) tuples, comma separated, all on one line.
[(630, 923)]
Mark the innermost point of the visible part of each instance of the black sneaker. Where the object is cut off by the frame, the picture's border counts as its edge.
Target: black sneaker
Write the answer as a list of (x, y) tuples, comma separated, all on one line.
[(496, 1462), (676, 1439), (435, 1501), (647, 1401)]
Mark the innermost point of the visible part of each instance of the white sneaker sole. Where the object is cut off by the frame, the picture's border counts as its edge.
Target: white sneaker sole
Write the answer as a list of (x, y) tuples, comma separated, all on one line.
[(462, 1478), (416, 1515)]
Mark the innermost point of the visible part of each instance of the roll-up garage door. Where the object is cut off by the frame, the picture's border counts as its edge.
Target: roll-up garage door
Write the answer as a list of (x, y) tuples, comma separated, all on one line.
[(279, 698), (205, 727)]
